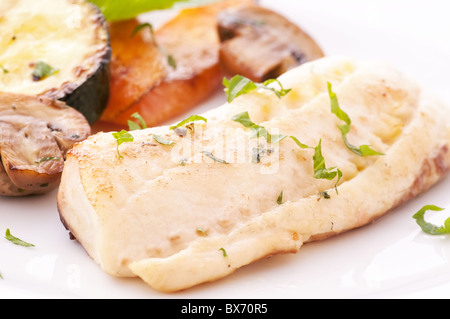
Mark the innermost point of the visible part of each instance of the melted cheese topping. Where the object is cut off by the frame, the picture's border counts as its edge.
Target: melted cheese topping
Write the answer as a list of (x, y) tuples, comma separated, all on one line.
[(59, 33)]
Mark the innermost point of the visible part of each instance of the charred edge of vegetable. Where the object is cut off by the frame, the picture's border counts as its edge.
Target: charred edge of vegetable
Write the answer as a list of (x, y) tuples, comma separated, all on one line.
[(91, 97)]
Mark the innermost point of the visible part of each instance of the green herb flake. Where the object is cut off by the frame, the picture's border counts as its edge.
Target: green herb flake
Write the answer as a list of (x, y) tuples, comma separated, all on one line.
[(162, 140), (46, 159), (133, 126), (320, 170), (300, 144), (324, 194), (280, 198), (363, 150), (428, 227), (258, 152), (211, 156), (190, 119), (256, 155), (143, 26), (280, 93), (257, 130), (16, 240), (201, 231), (122, 10), (122, 137), (260, 131), (171, 61), (239, 85), (5, 70), (224, 252), (42, 70)]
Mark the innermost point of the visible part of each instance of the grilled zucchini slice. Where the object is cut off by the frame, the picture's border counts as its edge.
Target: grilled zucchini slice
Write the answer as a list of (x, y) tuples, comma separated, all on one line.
[(57, 49)]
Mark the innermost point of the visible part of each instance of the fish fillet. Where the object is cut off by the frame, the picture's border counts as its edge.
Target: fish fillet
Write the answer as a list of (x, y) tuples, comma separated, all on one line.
[(217, 199)]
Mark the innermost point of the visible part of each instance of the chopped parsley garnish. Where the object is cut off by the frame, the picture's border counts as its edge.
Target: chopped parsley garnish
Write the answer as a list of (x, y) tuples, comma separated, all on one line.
[(320, 170), (170, 59), (142, 26), (190, 119), (239, 85), (280, 198), (201, 231), (324, 194), (162, 140), (257, 152), (300, 144), (5, 70), (16, 240), (363, 150), (224, 253), (132, 125), (42, 70), (428, 227), (45, 159), (211, 156), (122, 137), (257, 130), (123, 10)]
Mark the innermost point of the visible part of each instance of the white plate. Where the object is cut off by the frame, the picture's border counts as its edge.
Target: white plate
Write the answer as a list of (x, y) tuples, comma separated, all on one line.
[(390, 258)]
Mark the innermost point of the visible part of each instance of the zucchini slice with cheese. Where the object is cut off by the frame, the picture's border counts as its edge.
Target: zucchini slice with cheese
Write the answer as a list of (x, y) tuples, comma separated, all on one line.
[(57, 49)]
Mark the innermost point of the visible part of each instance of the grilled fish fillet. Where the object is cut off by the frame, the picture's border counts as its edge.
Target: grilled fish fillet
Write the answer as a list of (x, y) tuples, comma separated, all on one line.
[(195, 211)]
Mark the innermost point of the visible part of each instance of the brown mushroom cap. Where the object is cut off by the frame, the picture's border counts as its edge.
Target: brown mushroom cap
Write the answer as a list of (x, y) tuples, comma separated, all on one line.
[(261, 44), (35, 135)]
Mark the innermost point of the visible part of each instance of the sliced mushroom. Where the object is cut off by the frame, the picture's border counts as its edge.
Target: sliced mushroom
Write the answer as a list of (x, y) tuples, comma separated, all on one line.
[(35, 135), (260, 44)]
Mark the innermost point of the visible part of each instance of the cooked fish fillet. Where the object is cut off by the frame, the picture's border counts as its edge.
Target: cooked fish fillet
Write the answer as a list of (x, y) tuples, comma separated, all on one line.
[(195, 211)]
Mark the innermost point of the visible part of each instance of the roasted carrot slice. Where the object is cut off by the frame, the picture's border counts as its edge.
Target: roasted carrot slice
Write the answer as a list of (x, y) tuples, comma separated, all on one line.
[(142, 79)]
